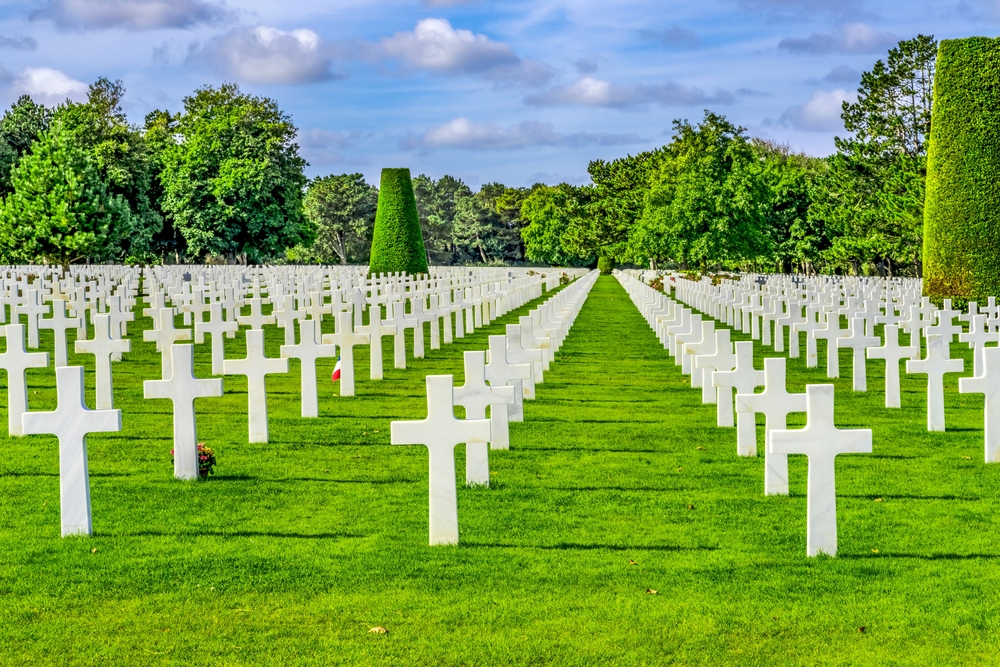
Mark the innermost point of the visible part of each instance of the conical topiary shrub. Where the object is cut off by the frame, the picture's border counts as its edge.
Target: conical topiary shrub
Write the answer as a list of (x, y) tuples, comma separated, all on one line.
[(397, 244), (962, 209)]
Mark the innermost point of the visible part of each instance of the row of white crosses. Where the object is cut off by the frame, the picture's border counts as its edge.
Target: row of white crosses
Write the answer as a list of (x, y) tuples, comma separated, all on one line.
[(515, 362), (896, 304), (312, 343), (718, 363), (107, 295)]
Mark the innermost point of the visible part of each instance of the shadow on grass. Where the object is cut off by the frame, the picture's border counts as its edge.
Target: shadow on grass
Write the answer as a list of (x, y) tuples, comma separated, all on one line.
[(570, 546), (529, 448), (55, 474), (893, 496), (254, 478), (622, 489), (890, 556), (234, 533)]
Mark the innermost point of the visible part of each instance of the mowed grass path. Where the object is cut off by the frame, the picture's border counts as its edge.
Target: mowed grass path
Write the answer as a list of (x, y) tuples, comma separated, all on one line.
[(617, 485)]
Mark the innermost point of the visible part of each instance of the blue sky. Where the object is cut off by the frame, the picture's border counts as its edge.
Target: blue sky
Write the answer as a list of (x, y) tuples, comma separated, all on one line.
[(510, 91)]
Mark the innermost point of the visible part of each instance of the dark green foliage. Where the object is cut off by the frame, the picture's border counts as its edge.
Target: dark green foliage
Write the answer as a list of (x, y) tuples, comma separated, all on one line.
[(605, 265), (546, 211), (342, 210), (60, 210), (397, 244), (123, 160), (962, 214), (871, 198), (233, 181), (21, 125)]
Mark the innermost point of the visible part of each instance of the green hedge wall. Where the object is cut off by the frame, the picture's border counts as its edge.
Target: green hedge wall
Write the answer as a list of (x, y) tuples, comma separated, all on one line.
[(962, 208), (397, 244), (605, 265)]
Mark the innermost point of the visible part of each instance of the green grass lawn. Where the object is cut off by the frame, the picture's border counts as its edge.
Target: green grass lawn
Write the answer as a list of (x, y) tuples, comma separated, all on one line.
[(617, 484)]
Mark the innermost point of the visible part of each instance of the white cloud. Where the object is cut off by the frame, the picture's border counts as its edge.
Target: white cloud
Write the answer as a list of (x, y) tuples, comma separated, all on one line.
[(463, 133), (592, 92), (268, 55), (820, 113), (437, 47), (848, 38), (48, 86), (131, 14)]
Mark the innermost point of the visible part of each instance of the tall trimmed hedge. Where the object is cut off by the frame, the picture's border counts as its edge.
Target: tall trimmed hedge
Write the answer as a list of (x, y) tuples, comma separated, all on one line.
[(397, 244), (962, 208)]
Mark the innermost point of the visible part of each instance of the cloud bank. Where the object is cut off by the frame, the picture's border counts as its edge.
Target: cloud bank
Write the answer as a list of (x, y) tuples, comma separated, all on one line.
[(131, 14), (591, 92), (268, 56), (435, 46), (463, 133)]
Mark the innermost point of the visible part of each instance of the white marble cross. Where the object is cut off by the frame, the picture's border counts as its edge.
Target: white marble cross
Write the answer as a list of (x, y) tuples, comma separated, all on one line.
[(399, 323), (182, 388), (345, 339), (475, 396), (977, 338), (811, 324), (307, 352), (71, 422), (517, 354), (744, 379), (500, 372), (59, 323), (103, 346), (775, 403), (831, 332), (440, 432), (821, 441), (286, 317), (859, 342), (935, 365), (988, 383), (256, 367), (892, 352), (256, 319), (165, 336), (34, 309), (722, 360), (215, 327), (16, 360), (375, 329)]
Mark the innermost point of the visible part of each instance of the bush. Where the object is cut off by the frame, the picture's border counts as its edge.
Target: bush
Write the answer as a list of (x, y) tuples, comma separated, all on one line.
[(962, 210), (605, 265), (397, 244)]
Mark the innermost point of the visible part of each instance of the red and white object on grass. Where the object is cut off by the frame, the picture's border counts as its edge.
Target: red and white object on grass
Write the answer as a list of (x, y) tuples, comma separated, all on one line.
[(336, 371)]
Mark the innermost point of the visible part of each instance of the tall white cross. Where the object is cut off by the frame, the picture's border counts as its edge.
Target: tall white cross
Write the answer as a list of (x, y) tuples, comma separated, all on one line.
[(16, 360), (859, 342), (345, 340), (977, 338), (722, 360), (744, 378), (831, 332), (103, 346), (517, 354), (256, 319), (500, 372), (59, 323), (400, 323), (892, 352), (256, 367), (71, 422), (165, 336), (440, 432), (286, 317), (34, 309), (215, 327), (935, 365), (475, 396), (307, 352), (182, 388), (821, 441), (375, 329), (988, 383), (775, 403)]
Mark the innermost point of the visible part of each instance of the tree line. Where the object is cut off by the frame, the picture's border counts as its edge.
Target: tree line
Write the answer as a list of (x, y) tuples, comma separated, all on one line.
[(223, 180)]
